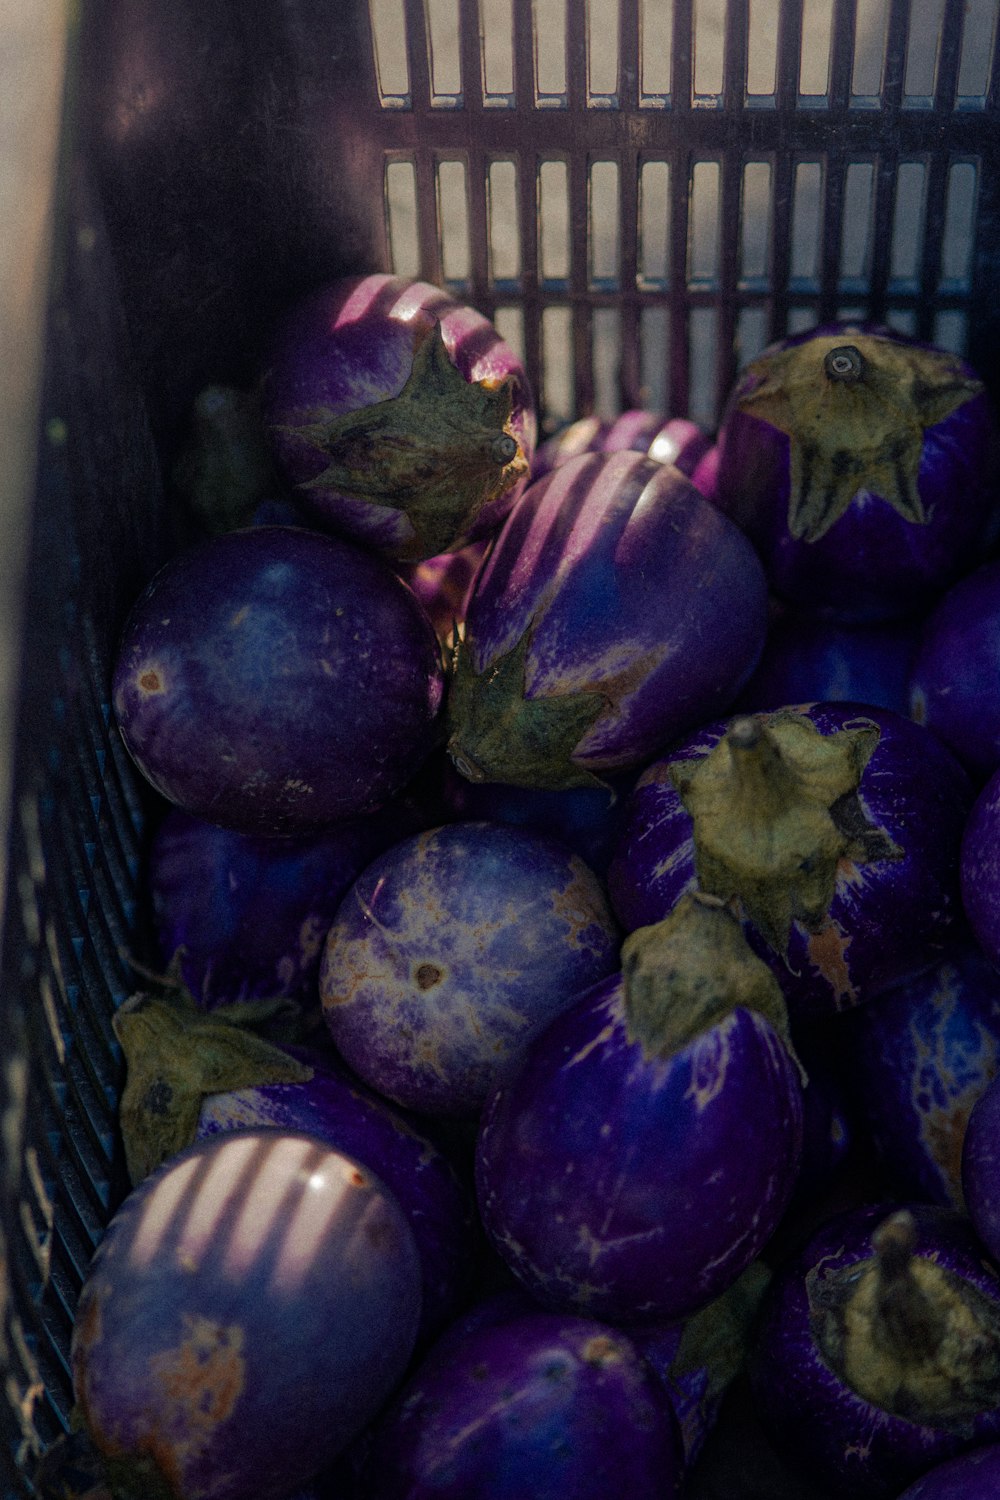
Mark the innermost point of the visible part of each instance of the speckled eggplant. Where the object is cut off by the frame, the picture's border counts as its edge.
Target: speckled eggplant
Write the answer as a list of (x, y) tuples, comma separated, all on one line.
[(980, 868), (888, 920), (954, 682), (249, 915), (810, 659), (972, 1476), (276, 680), (248, 1377), (638, 1189), (536, 1403), (981, 1168), (451, 951), (356, 344), (351, 1119), (916, 1061), (618, 609), (845, 1443), (863, 465)]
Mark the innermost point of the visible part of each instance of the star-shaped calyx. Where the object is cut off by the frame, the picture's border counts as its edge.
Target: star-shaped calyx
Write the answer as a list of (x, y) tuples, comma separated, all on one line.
[(175, 1055), (497, 733), (775, 807), (439, 451), (855, 407)]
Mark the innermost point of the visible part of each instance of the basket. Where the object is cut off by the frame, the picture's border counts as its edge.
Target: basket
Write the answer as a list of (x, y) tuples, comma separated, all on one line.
[(641, 193)]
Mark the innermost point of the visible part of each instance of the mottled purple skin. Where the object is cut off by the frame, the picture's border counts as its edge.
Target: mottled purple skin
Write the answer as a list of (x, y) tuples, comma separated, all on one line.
[(888, 921), (632, 1189), (541, 1404), (350, 344), (443, 585), (810, 659), (247, 1378), (671, 440), (916, 1061), (842, 1442), (972, 1476), (586, 818), (980, 869), (954, 685), (276, 680), (631, 585), (981, 1168), (451, 951), (872, 563), (350, 1119), (251, 914)]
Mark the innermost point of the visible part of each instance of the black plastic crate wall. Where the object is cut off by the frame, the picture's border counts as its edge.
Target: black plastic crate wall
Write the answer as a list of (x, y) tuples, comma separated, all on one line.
[(642, 193)]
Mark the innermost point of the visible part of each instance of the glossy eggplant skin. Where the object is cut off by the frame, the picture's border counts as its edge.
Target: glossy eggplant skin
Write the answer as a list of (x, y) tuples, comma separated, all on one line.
[(615, 585), (534, 1403), (916, 1061), (276, 680), (339, 1110), (878, 559), (249, 1309), (638, 1189), (888, 920), (451, 951), (845, 1444)]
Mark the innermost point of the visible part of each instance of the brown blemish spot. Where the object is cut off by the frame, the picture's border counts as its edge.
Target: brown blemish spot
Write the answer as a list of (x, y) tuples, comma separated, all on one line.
[(150, 681), (828, 953), (601, 1350), (428, 975), (200, 1382), (356, 1178)]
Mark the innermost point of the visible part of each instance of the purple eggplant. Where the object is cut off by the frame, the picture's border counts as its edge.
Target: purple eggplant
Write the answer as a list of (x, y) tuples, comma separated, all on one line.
[(275, 680), (248, 916), (643, 1152), (971, 1476), (618, 608), (954, 678), (864, 467), (878, 1353), (443, 584), (810, 659), (980, 868), (248, 1311), (401, 416), (671, 440), (916, 1060), (980, 1167), (528, 1403), (451, 951), (861, 812)]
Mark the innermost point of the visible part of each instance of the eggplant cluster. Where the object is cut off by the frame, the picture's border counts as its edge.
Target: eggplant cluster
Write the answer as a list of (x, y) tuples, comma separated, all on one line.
[(570, 1065)]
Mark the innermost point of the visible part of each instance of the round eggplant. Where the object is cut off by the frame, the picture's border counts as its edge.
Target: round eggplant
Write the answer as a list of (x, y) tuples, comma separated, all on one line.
[(451, 951), (953, 683), (248, 1311), (401, 416), (864, 467), (810, 659), (617, 609), (674, 440), (861, 813), (878, 1353), (634, 1164), (275, 680)]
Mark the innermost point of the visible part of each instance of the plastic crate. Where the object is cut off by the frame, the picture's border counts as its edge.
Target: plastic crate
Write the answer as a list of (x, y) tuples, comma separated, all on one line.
[(641, 193)]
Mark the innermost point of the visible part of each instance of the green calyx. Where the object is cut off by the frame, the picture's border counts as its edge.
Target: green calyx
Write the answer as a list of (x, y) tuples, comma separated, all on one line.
[(496, 733), (439, 451), (687, 973), (855, 408), (905, 1333), (175, 1055), (716, 1339), (775, 807)]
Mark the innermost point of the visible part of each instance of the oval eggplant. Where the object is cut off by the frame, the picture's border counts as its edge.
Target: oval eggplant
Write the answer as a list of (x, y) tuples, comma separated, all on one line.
[(618, 608), (863, 465), (275, 680), (451, 951), (870, 891), (249, 1309), (401, 416), (878, 1353)]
